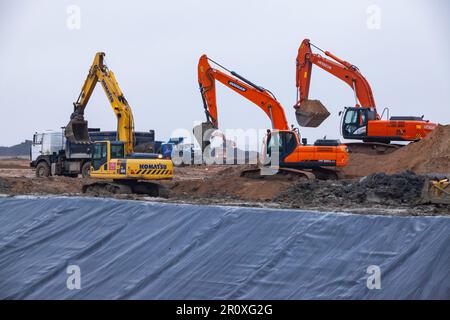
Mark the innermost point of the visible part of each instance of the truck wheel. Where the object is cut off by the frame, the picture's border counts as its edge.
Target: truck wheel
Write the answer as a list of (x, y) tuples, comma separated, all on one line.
[(86, 170), (42, 169)]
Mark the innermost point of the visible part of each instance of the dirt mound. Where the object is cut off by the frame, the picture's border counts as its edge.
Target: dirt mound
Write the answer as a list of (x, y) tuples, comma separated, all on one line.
[(50, 185), (398, 189), (5, 186), (225, 182), (430, 155), (401, 187)]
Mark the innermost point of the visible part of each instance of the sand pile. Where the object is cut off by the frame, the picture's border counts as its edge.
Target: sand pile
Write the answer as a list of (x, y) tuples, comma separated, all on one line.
[(430, 155)]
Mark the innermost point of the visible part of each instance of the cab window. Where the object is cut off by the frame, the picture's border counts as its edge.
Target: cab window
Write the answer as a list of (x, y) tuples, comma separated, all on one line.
[(351, 116), (100, 155), (38, 138), (283, 142), (355, 122), (117, 151)]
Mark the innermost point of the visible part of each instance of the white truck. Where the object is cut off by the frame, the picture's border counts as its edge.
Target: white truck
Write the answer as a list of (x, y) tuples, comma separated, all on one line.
[(51, 154)]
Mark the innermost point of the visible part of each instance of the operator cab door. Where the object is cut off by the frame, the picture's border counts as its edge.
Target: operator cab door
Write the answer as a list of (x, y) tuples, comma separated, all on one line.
[(100, 156), (281, 144), (355, 122), (36, 147)]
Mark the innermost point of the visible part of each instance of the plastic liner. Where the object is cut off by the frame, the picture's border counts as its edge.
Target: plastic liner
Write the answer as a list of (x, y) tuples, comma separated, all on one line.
[(140, 250)]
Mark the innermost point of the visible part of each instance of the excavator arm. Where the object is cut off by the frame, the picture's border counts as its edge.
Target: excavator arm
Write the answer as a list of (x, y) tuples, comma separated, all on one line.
[(339, 68), (207, 76), (77, 131)]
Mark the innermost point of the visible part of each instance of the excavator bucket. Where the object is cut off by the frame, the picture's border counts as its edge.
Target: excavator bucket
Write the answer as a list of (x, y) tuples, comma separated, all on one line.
[(437, 191), (77, 131), (203, 132), (311, 113)]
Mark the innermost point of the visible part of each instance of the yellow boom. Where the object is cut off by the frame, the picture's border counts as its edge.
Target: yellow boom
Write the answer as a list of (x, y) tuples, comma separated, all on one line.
[(77, 131)]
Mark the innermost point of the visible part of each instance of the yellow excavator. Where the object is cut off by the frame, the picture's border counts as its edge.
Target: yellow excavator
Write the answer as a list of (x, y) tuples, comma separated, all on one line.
[(115, 162)]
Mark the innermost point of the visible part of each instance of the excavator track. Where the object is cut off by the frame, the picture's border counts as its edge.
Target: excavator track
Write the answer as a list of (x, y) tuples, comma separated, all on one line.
[(325, 174), (103, 188), (290, 174), (372, 148)]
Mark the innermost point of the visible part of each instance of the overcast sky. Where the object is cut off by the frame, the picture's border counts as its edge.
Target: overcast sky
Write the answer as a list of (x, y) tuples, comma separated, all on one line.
[(153, 48)]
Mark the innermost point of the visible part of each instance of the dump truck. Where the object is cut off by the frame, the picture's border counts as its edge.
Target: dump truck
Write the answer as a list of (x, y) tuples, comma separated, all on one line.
[(52, 154)]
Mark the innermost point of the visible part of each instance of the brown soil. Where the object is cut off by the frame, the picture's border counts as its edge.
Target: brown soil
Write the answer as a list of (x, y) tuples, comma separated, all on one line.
[(190, 182), (50, 185), (223, 184), (14, 164), (430, 155), (15, 168)]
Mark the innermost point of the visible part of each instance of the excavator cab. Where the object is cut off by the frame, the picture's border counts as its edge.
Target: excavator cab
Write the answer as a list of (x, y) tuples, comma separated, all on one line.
[(281, 143), (355, 121), (103, 151)]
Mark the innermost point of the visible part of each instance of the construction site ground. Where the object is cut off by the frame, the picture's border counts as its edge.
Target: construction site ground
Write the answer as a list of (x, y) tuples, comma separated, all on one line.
[(371, 184)]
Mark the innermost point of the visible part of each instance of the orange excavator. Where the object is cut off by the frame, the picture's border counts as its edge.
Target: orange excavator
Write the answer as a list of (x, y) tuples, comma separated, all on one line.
[(361, 122), (293, 153)]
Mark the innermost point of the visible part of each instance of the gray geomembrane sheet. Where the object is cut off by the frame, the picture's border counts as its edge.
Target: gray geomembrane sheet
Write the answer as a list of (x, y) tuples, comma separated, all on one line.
[(143, 250)]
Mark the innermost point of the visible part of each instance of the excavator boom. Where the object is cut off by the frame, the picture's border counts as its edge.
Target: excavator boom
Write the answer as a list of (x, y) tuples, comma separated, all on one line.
[(207, 76), (337, 67), (77, 131)]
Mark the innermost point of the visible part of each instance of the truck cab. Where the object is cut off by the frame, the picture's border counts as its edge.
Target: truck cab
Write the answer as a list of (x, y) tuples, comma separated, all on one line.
[(45, 144), (52, 154)]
